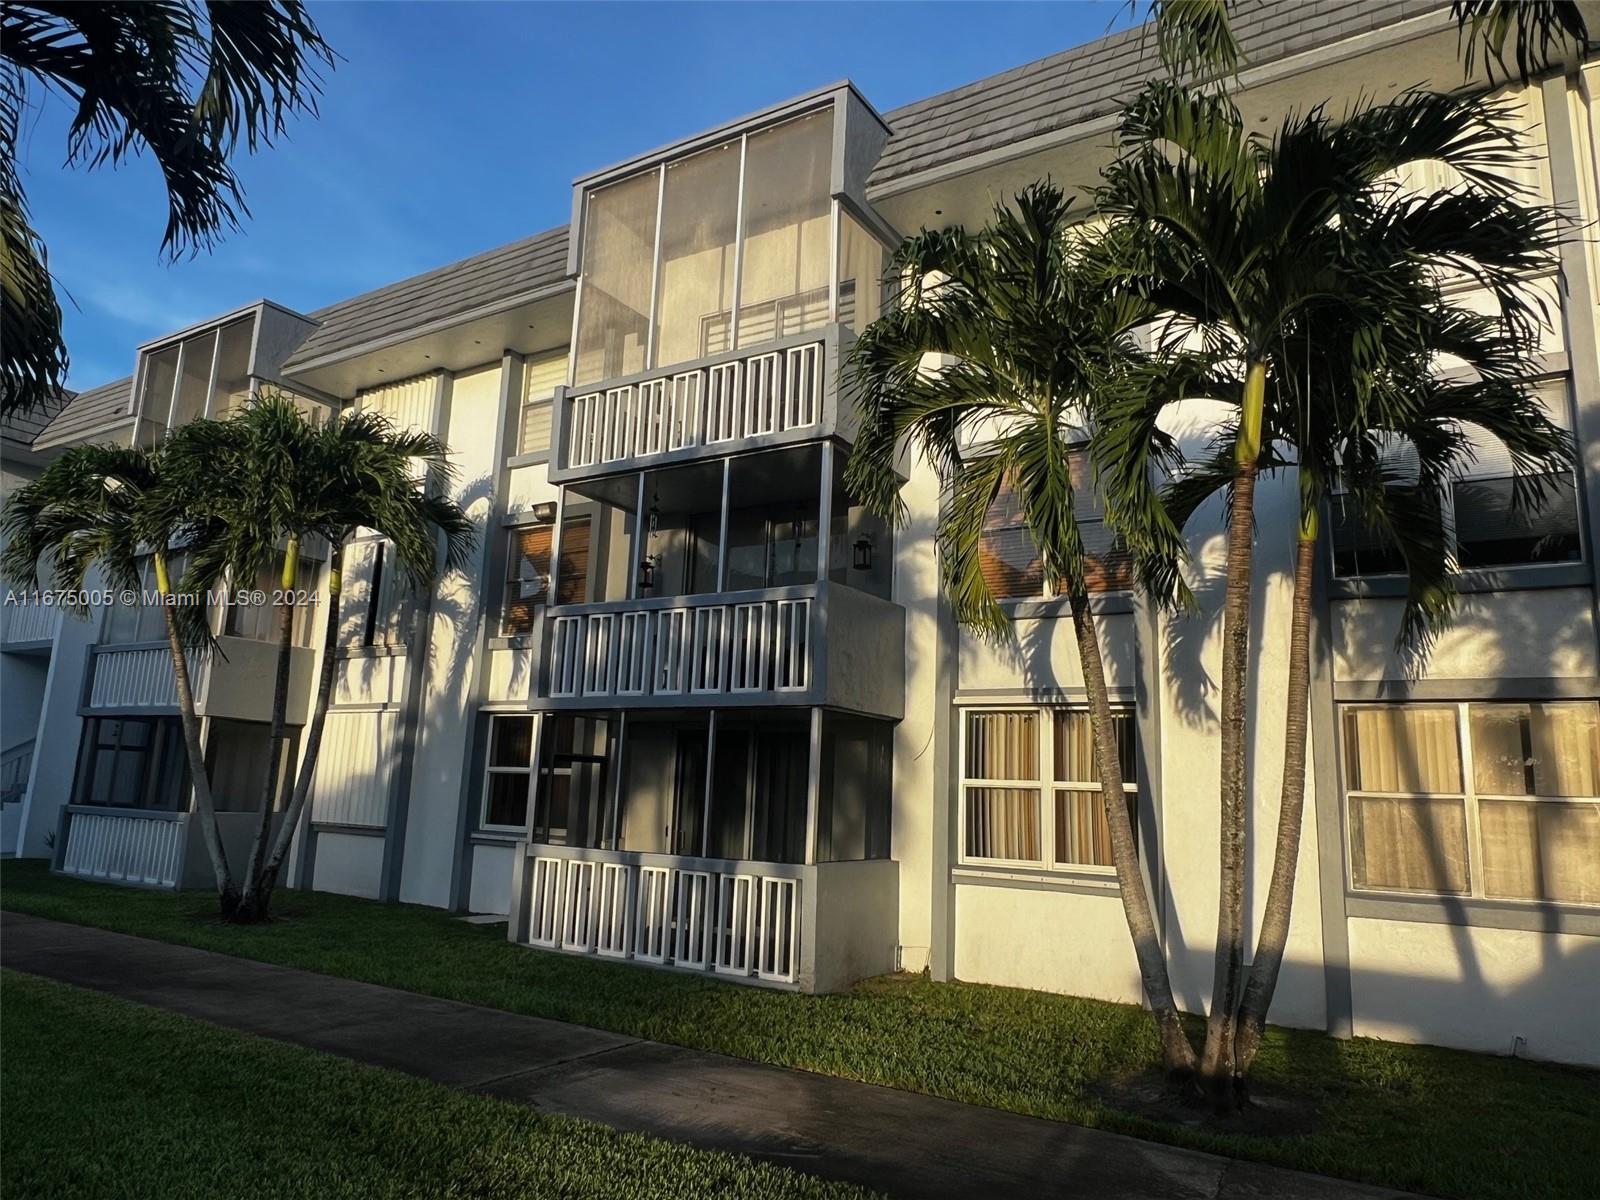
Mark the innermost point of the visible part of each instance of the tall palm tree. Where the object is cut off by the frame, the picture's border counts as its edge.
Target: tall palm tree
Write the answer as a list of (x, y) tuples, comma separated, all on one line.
[(109, 506), (1243, 241), (278, 482), (1376, 430), (189, 82), (1029, 336)]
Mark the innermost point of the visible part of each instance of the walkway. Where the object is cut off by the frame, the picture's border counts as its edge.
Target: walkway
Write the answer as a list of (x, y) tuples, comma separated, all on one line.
[(899, 1143)]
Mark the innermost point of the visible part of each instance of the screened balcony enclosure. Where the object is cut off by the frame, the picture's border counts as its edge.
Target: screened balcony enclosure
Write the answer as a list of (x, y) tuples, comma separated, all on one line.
[(212, 371), (754, 845), (716, 280), (752, 579)]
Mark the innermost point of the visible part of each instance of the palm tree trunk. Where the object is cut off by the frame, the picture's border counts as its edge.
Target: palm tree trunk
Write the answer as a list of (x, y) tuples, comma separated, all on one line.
[(252, 905), (319, 720), (1176, 1052), (1217, 1062), (204, 806), (1274, 934)]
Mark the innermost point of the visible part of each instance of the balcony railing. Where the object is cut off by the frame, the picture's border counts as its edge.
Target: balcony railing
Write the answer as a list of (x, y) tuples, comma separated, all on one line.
[(755, 923), (140, 676), (29, 622), (135, 846), (690, 646), (731, 918), (815, 643), (734, 400)]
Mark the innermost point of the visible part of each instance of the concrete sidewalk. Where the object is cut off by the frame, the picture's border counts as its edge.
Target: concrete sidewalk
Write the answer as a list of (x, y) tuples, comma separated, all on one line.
[(899, 1143)]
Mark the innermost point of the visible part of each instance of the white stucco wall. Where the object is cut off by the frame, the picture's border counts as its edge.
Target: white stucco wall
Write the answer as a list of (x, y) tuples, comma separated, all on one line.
[(1476, 988), (1045, 938)]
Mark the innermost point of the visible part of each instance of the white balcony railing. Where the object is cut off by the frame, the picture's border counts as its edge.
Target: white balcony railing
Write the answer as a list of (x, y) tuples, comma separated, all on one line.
[(744, 397), (26, 621), (757, 646), (124, 847), (732, 919)]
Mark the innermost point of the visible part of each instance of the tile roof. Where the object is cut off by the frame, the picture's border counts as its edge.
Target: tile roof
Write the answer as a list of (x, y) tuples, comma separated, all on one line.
[(23, 428), (1088, 81), (89, 411), (1040, 97), (457, 289)]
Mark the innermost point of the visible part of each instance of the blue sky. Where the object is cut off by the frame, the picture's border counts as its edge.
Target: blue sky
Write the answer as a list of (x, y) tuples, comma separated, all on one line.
[(451, 128)]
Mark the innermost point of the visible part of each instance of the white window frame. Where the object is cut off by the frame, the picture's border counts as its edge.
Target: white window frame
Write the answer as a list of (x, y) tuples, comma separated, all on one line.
[(529, 772), (1469, 797), (1045, 784)]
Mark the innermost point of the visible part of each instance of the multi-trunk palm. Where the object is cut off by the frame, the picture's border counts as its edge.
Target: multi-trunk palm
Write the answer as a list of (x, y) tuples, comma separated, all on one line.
[(1256, 247), (989, 369), (278, 484)]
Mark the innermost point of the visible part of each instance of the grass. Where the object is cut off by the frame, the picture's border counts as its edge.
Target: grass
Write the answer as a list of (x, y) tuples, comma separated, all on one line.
[(104, 1097), (1421, 1118)]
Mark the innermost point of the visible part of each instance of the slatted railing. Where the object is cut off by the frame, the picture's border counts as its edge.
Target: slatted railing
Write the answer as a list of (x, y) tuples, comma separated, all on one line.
[(694, 914), (757, 394), (755, 646), (124, 847)]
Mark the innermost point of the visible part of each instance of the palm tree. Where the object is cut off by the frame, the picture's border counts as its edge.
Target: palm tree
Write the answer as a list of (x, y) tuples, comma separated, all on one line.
[(1375, 429), (1029, 335), (185, 80), (108, 506), (279, 482), (1245, 242)]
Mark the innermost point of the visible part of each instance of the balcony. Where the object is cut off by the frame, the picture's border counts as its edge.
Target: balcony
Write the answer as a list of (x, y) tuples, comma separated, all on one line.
[(723, 404), (810, 928), (810, 644)]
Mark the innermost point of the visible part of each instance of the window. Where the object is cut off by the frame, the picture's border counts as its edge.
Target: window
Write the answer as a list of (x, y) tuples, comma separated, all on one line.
[(1476, 511), (1010, 561), (1494, 800), (236, 763), (528, 572), (133, 762), (1012, 759), (540, 378), (378, 603), (619, 240), (259, 622), (508, 777)]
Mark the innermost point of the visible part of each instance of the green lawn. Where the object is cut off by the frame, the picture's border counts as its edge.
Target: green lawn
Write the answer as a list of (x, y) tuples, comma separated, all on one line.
[(1438, 1121), (107, 1098)]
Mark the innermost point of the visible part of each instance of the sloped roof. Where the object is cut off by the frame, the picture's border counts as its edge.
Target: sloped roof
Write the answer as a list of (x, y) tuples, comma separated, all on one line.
[(90, 411), (23, 428), (482, 281), (1088, 81)]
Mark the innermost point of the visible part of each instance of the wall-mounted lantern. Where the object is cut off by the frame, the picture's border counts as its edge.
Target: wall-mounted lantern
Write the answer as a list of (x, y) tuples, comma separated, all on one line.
[(863, 556), (647, 572)]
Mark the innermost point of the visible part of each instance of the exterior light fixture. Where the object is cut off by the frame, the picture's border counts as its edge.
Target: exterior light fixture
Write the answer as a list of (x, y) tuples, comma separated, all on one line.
[(647, 572), (544, 513), (863, 557)]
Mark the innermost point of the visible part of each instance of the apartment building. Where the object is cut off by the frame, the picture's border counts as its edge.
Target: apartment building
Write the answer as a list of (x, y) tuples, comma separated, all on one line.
[(693, 707)]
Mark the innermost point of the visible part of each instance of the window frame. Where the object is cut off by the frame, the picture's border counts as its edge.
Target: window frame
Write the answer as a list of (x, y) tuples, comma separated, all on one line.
[(530, 772), (1470, 797), (1045, 592), (1046, 785), (1525, 570)]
